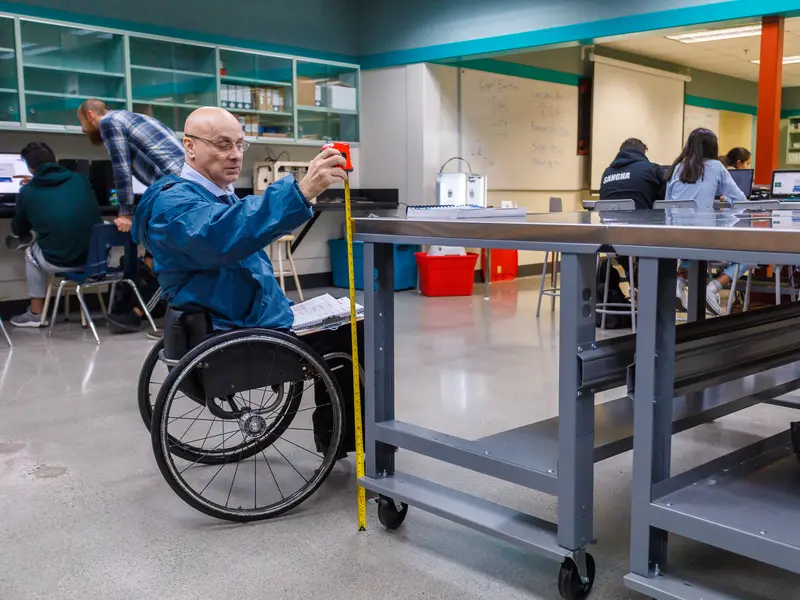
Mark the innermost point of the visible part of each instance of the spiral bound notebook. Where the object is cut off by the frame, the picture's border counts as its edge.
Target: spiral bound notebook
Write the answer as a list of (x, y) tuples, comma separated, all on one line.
[(323, 312), (463, 211)]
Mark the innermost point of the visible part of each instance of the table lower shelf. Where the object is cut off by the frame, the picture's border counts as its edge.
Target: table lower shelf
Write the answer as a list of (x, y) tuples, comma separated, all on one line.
[(666, 587), (520, 529), (749, 505)]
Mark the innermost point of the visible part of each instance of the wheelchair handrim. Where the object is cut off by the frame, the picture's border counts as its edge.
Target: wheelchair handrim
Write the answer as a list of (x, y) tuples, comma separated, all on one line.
[(195, 357)]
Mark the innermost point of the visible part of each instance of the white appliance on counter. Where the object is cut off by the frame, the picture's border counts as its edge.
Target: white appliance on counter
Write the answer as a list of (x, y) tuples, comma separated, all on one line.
[(460, 188)]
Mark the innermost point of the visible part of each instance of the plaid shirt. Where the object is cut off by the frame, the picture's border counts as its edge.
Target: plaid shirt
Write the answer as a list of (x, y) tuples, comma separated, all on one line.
[(142, 146)]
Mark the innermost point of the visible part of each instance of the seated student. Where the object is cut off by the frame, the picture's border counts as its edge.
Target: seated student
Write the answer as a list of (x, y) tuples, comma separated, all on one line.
[(59, 206), (737, 158), (208, 244), (632, 176), (698, 175)]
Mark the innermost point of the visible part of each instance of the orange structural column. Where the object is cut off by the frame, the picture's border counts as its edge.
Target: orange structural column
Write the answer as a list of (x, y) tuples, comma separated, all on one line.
[(769, 98)]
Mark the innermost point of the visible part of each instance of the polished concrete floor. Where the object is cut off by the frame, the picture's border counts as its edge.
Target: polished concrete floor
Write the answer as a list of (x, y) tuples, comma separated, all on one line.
[(85, 514)]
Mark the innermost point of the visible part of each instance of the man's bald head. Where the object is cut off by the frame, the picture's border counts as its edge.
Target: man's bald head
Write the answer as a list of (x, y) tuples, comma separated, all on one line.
[(210, 144)]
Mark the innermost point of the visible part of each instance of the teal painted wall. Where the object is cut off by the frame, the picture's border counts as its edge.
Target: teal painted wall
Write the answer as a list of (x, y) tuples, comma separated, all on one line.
[(726, 93), (394, 33), (314, 28)]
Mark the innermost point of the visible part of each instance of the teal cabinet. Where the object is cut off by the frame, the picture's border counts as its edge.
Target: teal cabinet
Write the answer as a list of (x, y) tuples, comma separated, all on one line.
[(327, 102), (9, 83), (47, 69), (63, 65), (257, 88), (169, 80)]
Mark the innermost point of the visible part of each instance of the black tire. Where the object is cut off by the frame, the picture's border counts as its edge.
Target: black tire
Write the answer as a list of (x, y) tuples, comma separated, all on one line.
[(389, 515), (570, 585), (165, 451), (146, 397)]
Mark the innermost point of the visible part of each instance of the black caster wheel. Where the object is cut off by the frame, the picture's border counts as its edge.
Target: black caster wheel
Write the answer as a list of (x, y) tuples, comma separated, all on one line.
[(570, 585), (388, 513)]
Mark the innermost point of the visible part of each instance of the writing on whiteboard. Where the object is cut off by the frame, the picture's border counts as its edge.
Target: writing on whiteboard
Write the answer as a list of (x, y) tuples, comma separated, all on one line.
[(548, 95), (546, 162), (548, 109), (546, 148), (557, 130), (486, 85)]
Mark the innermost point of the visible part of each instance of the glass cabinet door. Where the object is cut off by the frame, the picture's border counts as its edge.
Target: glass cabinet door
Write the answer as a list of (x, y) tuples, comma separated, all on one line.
[(169, 80), (9, 86), (64, 65), (257, 88), (327, 102)]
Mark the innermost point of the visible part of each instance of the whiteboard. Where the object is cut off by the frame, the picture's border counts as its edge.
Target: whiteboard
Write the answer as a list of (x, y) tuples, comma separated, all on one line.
[(628, 103), (521, 133), (696, 116)]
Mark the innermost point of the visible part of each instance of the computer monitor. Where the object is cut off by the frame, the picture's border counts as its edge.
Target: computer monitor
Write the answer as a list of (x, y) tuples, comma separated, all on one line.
[(744, 180), (785, 184), (11, 167)]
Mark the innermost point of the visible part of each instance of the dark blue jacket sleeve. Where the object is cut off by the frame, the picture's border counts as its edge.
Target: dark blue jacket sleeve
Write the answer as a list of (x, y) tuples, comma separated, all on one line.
[(205, 235)]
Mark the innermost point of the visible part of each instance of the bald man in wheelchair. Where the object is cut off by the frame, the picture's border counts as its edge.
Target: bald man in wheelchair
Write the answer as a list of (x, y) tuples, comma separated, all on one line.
[(208, 245)]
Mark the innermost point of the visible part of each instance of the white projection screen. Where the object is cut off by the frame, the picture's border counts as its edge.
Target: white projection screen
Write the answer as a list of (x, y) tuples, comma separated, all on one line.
[(633, 101)]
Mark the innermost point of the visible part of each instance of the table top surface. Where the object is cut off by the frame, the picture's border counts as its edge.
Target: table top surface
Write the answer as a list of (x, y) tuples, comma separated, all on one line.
[(736, 230)]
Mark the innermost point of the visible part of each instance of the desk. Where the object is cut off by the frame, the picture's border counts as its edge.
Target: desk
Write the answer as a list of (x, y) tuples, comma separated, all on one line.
[(338, 206), (556, 456)]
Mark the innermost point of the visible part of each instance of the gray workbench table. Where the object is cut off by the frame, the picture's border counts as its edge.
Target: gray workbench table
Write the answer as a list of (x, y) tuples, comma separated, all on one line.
[(557, 456), (561, 463), (746, 502)]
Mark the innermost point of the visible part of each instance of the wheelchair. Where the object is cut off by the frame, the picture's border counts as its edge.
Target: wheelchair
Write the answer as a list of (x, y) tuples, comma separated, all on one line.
[(245, 424)]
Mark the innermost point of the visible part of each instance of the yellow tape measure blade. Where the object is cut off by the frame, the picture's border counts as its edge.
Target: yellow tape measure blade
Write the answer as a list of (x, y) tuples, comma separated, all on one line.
[(359, 430)]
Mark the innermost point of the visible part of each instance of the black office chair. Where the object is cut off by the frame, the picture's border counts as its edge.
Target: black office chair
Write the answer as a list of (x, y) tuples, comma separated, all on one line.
[(665, 204), (615, 308)]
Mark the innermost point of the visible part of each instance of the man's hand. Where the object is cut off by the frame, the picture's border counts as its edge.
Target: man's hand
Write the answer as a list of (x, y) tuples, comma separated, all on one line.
[(325, 170), (123, 223)]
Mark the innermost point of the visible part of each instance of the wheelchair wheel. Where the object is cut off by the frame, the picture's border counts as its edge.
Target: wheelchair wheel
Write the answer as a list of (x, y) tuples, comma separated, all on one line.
[(153, 375), (263, 441), (151, 378)]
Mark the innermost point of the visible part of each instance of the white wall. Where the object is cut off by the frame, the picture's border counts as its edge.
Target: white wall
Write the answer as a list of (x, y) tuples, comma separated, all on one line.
[(312, 256), (408, 150), (409, 127)]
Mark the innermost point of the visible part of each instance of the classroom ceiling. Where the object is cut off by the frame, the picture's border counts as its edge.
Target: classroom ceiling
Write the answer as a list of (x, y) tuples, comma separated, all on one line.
[(726, 57)]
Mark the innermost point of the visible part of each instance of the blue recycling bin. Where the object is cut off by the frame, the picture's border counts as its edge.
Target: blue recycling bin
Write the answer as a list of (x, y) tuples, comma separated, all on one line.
[(405, 265)]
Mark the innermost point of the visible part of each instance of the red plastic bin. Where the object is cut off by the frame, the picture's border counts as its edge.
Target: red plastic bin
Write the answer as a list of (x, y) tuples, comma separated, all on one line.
[(446, 275), (505, 264)]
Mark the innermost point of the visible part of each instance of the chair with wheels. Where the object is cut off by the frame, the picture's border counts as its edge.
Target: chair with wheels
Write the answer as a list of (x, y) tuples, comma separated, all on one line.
[(245, 424), (98, 272)]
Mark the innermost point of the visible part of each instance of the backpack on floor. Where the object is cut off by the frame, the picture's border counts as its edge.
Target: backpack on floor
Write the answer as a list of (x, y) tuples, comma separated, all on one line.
[(615, 296)]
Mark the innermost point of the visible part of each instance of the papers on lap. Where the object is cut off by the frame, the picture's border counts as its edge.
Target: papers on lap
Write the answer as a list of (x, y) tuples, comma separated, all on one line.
[(323, 312)]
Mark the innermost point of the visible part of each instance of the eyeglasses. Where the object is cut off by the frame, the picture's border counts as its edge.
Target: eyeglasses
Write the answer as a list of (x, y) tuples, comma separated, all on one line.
[(223, 147)]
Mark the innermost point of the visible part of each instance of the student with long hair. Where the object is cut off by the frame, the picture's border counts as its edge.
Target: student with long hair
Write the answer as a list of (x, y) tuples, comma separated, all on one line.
[(698, 175), (737, 158)]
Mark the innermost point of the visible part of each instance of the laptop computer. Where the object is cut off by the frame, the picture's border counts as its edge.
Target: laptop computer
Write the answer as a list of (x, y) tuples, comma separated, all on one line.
[(12, 168), (785, 184), (744, 180)]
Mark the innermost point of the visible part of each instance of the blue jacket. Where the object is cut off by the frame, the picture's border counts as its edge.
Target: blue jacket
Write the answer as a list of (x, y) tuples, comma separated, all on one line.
[(209, 253)]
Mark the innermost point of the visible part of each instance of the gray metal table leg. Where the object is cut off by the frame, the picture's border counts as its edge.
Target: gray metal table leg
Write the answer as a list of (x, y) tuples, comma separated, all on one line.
[(379, 354), (575, 407), (655, 372), (698, 269)]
